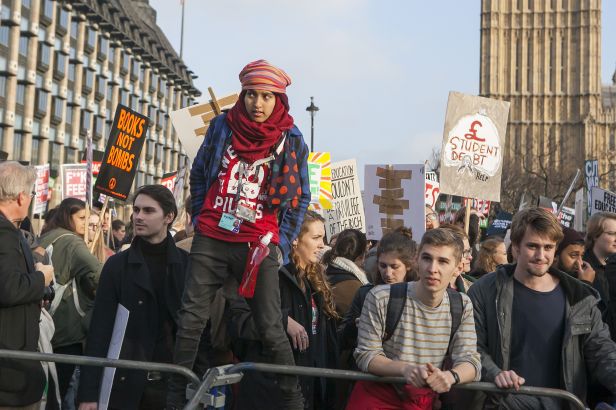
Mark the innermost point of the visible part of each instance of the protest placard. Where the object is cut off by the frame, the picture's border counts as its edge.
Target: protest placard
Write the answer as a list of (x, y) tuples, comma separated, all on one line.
[(191, 123), (473, 137), (320, 177), (168, 180), (41, 188), (347, 206), (394, 197), (566, 216), (501, 223), (432, 189), (119, 166), (482, 206), (591, 173), (74, 181), (602, 200)]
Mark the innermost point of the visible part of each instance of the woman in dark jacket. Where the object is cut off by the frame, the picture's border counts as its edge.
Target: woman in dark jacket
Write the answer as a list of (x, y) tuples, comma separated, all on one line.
[(343, 271), (308, 315)]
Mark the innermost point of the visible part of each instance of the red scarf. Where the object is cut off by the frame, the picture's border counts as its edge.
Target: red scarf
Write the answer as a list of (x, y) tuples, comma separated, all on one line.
[(254, 140)]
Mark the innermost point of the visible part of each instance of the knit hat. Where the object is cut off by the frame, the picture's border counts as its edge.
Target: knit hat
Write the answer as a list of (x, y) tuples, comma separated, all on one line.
[(261, 75), (571, 237)]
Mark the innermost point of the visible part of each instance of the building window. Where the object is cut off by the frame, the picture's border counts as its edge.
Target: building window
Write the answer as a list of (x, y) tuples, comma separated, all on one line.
[(21, 94), (56, 112), (88, 83), (41, 103), (60, 65), (69, 115), (85, 121), (74, 27), (103, 47), (24, 25), (4, 36), (111, 57), (91, 39), (71, 72), (44, 56), (62, 20), (101, 85), (17, 142), (35, 150), (23, 46), (26, 4), (47, 9), (125, 63), (2, 85)]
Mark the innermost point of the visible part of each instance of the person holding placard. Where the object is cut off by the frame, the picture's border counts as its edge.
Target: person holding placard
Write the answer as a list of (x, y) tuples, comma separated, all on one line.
[(250, 178)]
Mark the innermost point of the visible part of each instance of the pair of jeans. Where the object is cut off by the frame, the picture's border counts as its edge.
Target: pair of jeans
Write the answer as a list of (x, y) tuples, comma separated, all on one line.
[(212, 261)]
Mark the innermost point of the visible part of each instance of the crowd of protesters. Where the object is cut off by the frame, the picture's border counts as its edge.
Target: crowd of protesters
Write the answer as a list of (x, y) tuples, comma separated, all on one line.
[(533, 308)]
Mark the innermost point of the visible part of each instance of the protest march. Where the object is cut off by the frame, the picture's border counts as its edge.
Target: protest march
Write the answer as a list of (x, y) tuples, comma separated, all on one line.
[(397, 285)]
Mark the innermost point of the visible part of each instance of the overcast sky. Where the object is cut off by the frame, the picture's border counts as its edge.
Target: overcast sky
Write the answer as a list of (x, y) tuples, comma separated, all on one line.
[(379, 71)]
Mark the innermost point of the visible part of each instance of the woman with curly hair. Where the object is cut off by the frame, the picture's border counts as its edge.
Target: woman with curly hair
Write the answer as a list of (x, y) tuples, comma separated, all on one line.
[(309, 318)]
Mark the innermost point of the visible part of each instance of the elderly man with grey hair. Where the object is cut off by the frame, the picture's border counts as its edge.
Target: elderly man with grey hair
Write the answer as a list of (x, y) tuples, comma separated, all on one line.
[(22, 285)]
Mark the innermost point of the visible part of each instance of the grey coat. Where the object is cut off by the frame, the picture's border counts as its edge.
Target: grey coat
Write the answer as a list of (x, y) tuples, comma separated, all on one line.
[(587, 349)]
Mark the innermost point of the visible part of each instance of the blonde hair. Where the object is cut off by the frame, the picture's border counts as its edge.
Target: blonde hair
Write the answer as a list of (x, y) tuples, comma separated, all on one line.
[(314, 272), (594, 227), (485, 257)]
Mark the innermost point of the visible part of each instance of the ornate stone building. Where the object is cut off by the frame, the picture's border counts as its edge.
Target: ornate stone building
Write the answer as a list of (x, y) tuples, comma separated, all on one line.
[(66, 64), (545, 58)]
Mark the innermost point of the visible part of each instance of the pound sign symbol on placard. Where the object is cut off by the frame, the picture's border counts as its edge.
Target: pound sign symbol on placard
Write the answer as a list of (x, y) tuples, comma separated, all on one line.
[(472, 134)]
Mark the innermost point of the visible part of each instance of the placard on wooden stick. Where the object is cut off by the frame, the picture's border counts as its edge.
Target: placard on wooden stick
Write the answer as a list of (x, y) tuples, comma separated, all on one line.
[(191, 123), (473, 142)]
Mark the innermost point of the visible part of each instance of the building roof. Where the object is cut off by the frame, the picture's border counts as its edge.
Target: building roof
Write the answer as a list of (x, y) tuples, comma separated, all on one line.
[(133, 23)]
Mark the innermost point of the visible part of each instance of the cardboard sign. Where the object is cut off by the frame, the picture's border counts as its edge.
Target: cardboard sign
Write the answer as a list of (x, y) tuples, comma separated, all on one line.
[(580, 210), (566, 216), (41, 188), (591, 172), (602, 200), (74, 181), (191, 123), (97, 160), (121, 159), (501, 223), (347, 205), (394, 198), (169, 179), (473, 137), (483, 207), (432, 189), (320, 177)]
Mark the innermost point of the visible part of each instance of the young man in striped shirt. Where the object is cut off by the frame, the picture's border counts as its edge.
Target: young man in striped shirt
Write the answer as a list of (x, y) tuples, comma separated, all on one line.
[(421, 340)]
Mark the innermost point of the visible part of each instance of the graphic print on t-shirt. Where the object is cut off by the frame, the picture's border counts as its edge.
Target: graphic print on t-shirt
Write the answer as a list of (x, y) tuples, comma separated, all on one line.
[(252, 180)]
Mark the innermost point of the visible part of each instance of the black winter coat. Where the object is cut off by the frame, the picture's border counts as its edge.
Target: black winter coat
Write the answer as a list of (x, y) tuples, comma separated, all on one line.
[(258, 390), (125, 279), (21, 291)]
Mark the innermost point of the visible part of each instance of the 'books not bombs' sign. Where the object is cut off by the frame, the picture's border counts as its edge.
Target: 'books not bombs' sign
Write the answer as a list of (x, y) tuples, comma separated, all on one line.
[(473, 138), (121, 158)]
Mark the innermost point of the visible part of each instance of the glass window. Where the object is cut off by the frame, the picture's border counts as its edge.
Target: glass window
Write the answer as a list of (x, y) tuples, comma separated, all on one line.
[(48, 8), (85, 120), (42, 33), (62, 18), (69, 115), (21, 94), (71, 72), (35, 145), (17, 142), (101, 85), (5, 11), (4, 36), (24, 24), (74, 27), (44, 54), (111, 57), (58, 106), (60, 64), (23, 46), (2, 86), (41, 101), (26, 4), (91, 40), (38, 81)]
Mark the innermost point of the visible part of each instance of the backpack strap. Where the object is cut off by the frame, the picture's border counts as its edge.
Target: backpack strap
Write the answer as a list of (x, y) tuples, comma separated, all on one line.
[(395, 306), (456, 308)]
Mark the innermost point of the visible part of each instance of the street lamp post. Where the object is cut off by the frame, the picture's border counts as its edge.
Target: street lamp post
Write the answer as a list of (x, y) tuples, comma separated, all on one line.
[(312, 109)]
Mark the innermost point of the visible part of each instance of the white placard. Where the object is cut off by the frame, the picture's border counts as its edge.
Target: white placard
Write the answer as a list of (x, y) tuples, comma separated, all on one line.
[(602, 201), (347, 205), (115, 346), (394, 197)]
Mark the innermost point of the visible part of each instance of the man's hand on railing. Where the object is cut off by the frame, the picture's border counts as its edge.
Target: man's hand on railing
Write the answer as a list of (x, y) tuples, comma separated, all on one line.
[(88, 406), (440, 381), (416, 375), (508, 379)]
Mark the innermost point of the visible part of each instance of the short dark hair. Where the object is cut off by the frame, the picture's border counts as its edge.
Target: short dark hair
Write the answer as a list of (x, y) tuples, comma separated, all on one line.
[(162, 195), (540, 220), (117, 224), (444, 237), (351, 244), (400, 243)]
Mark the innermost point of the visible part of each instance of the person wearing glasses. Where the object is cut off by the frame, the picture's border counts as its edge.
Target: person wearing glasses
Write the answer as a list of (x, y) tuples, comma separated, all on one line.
[(600, 246), (77, 273), (431, 218), (22, 288)]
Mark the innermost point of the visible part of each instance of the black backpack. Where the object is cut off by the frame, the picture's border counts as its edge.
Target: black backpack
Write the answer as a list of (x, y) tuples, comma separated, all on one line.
[(397, 300)]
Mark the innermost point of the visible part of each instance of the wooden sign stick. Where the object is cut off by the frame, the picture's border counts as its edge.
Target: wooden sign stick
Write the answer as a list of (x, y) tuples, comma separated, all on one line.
[(99, 226)]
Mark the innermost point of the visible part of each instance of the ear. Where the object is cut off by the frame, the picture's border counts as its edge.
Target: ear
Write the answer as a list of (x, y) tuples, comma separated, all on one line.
[(294, 243), (169, 218)]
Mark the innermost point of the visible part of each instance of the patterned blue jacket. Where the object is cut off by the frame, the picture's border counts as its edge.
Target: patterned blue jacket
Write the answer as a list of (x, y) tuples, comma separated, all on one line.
[(207, 165)]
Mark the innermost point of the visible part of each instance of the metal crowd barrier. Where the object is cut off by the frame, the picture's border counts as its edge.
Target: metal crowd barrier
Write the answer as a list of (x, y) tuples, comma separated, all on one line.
[(206, 392)]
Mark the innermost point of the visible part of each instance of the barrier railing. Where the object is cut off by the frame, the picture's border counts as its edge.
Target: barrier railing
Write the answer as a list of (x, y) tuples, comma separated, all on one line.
[(206, 393), (230, 374)]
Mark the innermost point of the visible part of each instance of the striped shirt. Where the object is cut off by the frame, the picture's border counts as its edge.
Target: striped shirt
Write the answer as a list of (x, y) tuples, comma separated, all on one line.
[(422, 334)]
